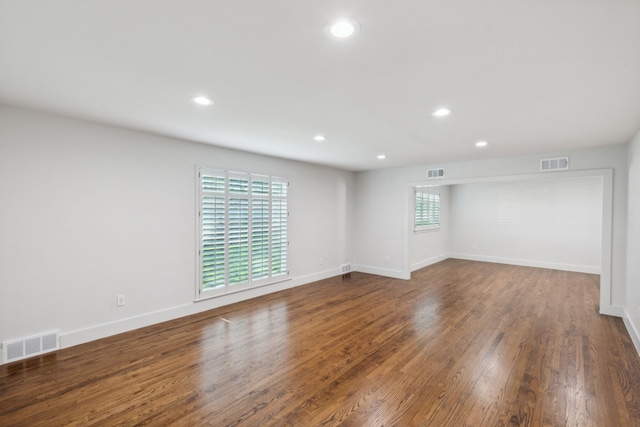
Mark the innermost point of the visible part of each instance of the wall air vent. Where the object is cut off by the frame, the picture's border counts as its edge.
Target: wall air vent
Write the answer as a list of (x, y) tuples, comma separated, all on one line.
[(30, 346), (556, 164), (346, 268), (435, 173)]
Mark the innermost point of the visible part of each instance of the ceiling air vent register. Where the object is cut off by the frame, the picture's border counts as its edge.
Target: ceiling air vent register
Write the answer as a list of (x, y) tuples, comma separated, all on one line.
[(435, 173), (555, 164)]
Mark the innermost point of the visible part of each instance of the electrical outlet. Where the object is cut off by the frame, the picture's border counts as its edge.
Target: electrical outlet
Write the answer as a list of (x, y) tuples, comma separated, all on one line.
[(321, 261), (387, 259), (120, 301)]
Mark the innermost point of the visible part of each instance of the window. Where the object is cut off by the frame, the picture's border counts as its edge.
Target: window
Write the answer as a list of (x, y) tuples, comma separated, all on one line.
[(427, 208), (242, 231)]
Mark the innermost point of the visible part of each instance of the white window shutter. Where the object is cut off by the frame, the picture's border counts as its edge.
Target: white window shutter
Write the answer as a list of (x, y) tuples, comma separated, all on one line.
[(243, 231)]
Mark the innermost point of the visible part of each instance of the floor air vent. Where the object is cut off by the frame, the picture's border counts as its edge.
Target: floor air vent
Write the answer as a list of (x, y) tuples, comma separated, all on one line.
[(30, 346), (557, 164), (435, 173)]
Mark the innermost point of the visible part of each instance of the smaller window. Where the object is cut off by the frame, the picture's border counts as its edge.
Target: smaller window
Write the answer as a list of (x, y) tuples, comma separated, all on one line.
[(427, 208)]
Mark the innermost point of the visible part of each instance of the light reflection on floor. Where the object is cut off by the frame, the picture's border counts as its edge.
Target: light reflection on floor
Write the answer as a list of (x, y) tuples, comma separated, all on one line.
[(236, 341)]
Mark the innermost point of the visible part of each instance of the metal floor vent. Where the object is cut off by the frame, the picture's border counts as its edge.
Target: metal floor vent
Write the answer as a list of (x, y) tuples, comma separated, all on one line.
[(346, 268), (557, 164), (435, 173), (30, 346)]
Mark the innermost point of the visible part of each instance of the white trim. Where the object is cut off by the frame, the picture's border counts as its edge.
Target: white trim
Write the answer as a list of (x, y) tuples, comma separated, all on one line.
[(198, 223), (408, 219), (103, 330), (429, 261), (234, 289), (386, 272), (612, 310), (523, 177), (427, 229), (632, 329), (606, 298), (528, 263)]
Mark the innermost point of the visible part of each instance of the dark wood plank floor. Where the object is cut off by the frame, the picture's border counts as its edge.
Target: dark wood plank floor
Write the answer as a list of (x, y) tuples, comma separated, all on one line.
[(461, 344)]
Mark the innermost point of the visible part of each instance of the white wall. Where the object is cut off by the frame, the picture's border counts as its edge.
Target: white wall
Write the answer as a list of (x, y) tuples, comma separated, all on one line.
[(382, 206), (548, 223), (92, 211), (431, 246), (632, 303), (382, 203)]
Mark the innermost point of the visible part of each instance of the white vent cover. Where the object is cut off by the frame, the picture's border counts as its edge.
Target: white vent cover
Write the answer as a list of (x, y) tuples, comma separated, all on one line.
[(556, 164), (30, 346), (435, 173), (346, 268)]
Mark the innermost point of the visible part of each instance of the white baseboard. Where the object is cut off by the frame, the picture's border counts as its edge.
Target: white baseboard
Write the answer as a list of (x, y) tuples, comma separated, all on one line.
[(386, 272), (612, 310), (429, 261), (528, 263), (633, 330), (95, 332)]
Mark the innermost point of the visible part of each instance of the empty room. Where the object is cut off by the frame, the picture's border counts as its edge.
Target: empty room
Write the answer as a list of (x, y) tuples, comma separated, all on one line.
[(339, 213)]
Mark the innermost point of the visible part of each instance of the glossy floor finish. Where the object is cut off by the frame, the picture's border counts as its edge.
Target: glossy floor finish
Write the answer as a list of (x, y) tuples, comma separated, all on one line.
[(461, 344)]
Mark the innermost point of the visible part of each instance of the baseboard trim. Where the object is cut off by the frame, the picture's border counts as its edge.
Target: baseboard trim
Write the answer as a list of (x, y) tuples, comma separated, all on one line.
[(612, 310), (429, 261), (528, 263), (395, 274), (95, 332), (632, 329)]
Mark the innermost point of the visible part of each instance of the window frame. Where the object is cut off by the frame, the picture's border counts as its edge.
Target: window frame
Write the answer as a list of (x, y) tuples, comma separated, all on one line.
[(421, 206), (251, 192)]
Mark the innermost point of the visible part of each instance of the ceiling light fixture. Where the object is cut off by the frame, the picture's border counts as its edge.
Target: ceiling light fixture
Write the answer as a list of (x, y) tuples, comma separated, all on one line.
[(202, 100), (342, 28), (441, 112), (319, 138), (381, 157), (481, 144)]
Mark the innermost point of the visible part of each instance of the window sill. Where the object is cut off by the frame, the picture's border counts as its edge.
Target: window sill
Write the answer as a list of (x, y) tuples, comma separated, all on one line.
[(235, 289), (426, 230)]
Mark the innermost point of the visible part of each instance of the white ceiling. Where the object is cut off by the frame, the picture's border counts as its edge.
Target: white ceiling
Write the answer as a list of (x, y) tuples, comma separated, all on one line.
[(528, 76)]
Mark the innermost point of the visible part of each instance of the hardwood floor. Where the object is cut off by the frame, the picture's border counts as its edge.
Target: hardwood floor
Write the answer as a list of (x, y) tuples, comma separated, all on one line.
[(461, 344)]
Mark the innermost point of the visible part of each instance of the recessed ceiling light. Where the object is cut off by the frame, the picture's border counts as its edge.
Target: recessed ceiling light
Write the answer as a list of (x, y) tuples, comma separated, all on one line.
[(441, 112), (481, 144), (381, 157), (202, 100), (319, 138), (342, 28)]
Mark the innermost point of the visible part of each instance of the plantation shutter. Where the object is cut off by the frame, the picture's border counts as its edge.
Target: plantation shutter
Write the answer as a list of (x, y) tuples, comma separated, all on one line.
[(279, 239), (238, 219), (243, 231), (260, 235), (427, 208), (213, 219)]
